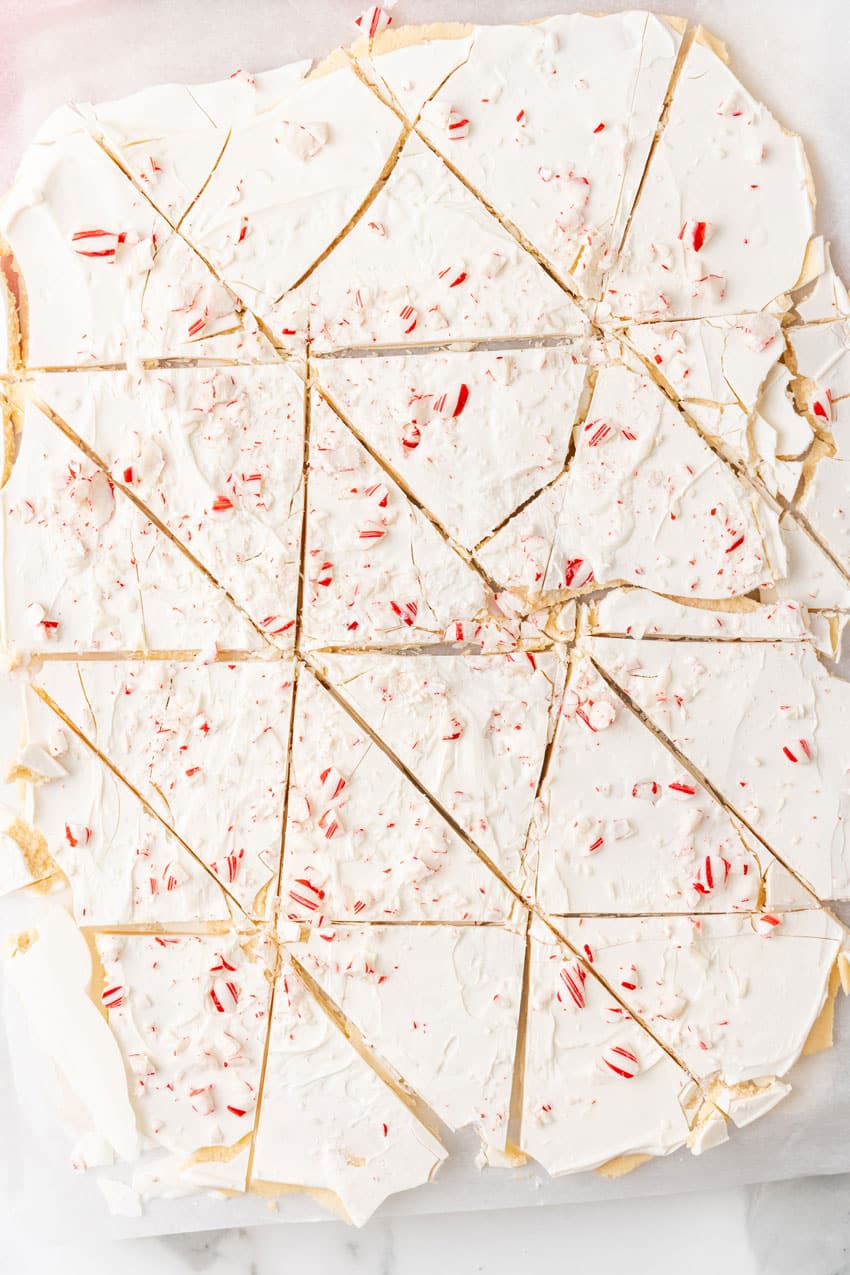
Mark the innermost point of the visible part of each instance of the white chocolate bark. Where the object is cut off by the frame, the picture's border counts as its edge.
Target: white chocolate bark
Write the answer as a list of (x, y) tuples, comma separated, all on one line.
[(622, 826), (826, 297), (376, 571), (288, 183), (130, 287), (822, 354), (712, 987), (328, 1121), (811, 576), (472, 729), (439, 1003), (52, 972), (122, 864), (596, 1085), (189, 1014), (361, 842), (205, 745), (412, 73), (474, 435), (560, 116), (644, 501), (773, 744), (637, 613), (217, 456), (673, 448), (427, 263), (724, 216), (83, 568), (722, 361), (170, 136)]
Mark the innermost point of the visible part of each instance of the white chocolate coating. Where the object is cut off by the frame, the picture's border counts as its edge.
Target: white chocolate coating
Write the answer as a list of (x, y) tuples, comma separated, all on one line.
[(773, 743), (561, 115), (439, 1003), (328, 1121), (189, 1014), (131, 287), (287, 184), (217, 456), (722, 163), (83, 568), (622, 827), (205, 745), (644, 501), (474, 435), (361, 842), (123, 865), (427, 263), (596, 1085), (472, 729), (711, 987), (376, 571)]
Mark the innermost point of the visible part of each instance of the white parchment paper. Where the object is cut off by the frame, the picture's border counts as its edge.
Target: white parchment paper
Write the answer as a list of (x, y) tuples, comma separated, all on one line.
[(793, 55)]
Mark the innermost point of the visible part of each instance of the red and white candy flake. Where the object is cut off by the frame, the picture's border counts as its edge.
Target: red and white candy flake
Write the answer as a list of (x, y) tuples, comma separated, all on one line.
[(189, 1015), (374, 20), (620, 1060)]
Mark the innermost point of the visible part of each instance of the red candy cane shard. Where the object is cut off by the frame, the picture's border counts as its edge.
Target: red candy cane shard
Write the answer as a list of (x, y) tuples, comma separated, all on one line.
[(693, 234), (373, 21), (621, 1061), (574, 986)]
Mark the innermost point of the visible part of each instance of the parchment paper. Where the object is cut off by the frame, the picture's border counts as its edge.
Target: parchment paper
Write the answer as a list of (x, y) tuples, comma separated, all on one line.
[(793, 55)]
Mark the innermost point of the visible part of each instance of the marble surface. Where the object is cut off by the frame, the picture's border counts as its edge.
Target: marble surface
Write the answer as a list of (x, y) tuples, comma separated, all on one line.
[(800, 1227)]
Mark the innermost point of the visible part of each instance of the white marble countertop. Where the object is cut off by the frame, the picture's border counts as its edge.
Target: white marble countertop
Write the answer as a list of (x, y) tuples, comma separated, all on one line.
[(788, 1228)]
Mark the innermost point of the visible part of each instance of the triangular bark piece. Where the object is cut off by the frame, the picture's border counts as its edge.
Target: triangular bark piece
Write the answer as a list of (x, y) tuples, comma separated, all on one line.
[(706, 237), (473, 730), (439, 1003), (644, 501), (84, 569), (621, 826), (552, 123), (123, 865), (328, 1122), (362, 843), (596, 1085), (131, 288), (376, 571), (217, 455), (426, 263), (205, 745), (765, 724), (448, 425)]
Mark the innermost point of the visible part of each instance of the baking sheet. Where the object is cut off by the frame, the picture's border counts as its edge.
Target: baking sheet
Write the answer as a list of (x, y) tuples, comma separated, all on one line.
[(792, 55)]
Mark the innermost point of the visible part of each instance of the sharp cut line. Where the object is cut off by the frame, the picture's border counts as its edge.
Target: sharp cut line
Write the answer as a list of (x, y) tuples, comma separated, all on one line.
[(383, 1069), (458, 345), (688, 765), (412, 127), (688, 37), (414, 500), (584, 402), (72, 726), (92, 455), (417, 784), (261, 1083), (223, 656)]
